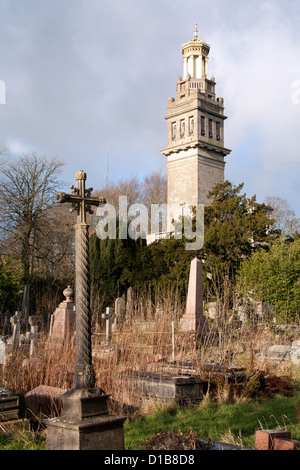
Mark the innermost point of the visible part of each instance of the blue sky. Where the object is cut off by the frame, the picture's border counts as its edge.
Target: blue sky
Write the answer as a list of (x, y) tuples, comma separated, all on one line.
[(87, 79)]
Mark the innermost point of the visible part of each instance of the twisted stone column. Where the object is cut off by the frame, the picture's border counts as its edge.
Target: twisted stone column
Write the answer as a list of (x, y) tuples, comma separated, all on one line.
[(82, 201), (84, 370)]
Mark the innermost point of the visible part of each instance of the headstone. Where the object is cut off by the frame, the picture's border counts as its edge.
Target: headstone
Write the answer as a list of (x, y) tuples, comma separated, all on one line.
[(10, 413), (63, 325), (2, 351), (108, 315), (120, 309), (16, 330), (7, 325), (33, 320), (281, 352), (129, 303), (194, 320), (212, 309)]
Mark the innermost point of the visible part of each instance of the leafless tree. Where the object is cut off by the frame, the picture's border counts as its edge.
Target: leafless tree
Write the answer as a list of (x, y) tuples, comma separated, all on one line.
[(151, 190), (285, 218), (130, 187), (27, 190), (154, 189)]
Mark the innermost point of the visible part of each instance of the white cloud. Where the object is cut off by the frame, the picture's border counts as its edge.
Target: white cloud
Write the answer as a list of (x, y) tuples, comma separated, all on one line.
[(88, 78), (16, 148)]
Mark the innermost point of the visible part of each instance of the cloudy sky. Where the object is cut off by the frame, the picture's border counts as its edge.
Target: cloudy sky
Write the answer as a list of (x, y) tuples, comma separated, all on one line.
[(88, 80)]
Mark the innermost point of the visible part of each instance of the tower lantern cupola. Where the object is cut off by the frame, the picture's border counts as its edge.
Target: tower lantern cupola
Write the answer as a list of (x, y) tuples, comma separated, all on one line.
[(195, 57), (195, 152)]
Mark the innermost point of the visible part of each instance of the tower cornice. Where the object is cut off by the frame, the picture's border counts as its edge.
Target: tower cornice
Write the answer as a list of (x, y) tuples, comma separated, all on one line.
[(194, 145)]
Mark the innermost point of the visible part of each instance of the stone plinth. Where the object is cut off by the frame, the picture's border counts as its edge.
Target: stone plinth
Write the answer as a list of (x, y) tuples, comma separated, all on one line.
[(194, 320), (85, 423)]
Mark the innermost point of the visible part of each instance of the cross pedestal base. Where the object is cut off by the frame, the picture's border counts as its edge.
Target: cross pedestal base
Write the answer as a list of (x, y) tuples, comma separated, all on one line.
[(85, 423)]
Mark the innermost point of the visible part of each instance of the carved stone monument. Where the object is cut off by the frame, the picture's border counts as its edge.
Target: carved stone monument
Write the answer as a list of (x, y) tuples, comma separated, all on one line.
[(85, 423), (62, 324)]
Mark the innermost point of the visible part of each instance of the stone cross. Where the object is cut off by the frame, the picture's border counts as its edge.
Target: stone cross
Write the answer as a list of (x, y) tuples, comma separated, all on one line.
[(82, 201)]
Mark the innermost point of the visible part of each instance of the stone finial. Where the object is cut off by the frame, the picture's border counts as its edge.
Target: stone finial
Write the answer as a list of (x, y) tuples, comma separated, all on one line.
[(68, 293), (195, 32), (80, 175)]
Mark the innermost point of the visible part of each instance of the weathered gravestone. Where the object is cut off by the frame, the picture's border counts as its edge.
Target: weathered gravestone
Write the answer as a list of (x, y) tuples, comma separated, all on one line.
[(6, 324), (120, 309), (62, 322), (33, 335), (10, 412), (85, 423), (108, 317), (2, 351), (194, 320), (13, 342), (129, 303)]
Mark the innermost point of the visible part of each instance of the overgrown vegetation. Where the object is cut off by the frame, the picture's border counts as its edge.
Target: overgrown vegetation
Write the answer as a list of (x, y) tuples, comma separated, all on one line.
[(244, 261)]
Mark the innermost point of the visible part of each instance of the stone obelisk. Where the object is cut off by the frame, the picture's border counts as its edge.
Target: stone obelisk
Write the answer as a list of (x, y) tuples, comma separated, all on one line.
[(194, 320)]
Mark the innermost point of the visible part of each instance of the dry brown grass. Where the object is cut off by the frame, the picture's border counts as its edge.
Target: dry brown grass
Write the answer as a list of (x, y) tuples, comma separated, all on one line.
[(144, 342)]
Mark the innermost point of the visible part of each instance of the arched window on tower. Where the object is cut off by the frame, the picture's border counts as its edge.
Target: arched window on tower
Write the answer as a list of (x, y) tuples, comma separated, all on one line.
[(182, 128), (210, 129), (203, 126), (191, 125), (218, 131), (173, 130)]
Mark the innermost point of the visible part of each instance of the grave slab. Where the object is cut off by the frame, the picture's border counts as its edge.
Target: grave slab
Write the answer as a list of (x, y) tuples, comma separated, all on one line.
[(165, 387)]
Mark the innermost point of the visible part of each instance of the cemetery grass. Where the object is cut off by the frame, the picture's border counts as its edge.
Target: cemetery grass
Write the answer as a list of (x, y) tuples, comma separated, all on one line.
[(23, 440), (145, 342), (233, 423)]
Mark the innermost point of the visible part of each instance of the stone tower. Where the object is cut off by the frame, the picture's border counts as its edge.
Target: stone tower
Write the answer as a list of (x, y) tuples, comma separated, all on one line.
[(195, 152)]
